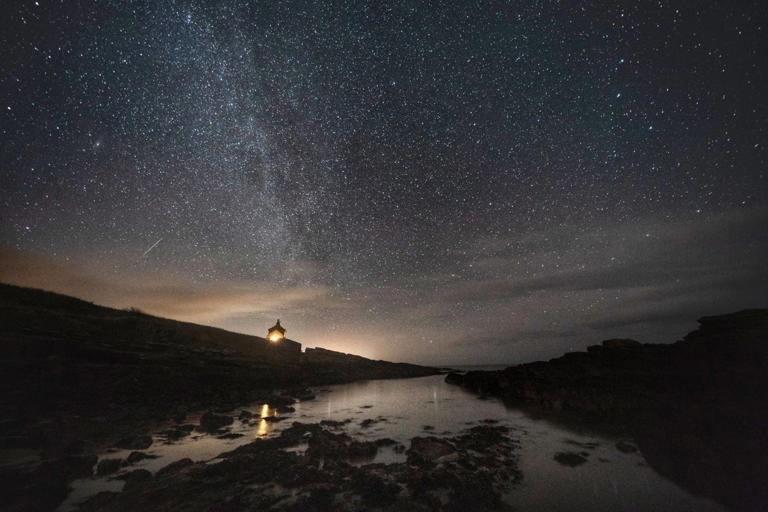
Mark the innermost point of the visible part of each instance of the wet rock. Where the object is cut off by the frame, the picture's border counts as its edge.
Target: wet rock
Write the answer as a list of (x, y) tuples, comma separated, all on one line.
[(570, 459), (428, 449), (626, 447), (179, 432), (134, 478), (173, 467), (374, 490), (135, 457), (334, 423), (211, 421), (298, 432), (108, 466), (361, 450), (229, 435), (303, 394), (262, 476), (135, 443)]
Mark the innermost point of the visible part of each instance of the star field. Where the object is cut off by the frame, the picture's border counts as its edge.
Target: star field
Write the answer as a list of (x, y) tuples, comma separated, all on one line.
[(438, 182)]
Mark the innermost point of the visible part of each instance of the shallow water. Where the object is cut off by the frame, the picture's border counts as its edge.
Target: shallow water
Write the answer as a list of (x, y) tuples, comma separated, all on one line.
[(608, 479)]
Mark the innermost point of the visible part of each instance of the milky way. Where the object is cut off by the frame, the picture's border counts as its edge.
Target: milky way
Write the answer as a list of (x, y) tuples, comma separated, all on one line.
[(438, 182)]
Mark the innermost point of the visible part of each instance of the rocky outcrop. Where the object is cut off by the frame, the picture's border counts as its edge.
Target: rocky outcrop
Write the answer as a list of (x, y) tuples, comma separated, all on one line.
[(696, 407), (469, 471), (723, 361)]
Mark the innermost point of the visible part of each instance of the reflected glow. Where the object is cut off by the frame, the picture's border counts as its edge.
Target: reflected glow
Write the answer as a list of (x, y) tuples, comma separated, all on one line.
[(264, 412)]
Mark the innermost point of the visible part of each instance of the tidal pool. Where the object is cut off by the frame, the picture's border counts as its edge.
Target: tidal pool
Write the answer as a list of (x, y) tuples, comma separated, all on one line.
[(562, 469)]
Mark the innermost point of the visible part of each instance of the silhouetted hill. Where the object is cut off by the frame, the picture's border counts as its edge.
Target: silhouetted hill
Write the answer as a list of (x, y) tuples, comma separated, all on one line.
[(49, 321), (59, 352), (76, 377)]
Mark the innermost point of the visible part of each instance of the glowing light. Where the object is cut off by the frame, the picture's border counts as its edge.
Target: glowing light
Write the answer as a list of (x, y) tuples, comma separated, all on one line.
[(275, 337), (265, 412)]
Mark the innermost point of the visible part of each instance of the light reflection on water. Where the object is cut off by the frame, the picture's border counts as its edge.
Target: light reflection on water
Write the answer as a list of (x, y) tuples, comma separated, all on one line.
[(402, 409)]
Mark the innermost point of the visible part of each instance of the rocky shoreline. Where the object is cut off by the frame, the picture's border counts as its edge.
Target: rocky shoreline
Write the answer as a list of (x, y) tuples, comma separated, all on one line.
[(76, 378), (318, 467), (697, 408)]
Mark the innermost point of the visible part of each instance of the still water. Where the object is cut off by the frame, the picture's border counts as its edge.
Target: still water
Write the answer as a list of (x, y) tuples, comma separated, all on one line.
[(610, 479)]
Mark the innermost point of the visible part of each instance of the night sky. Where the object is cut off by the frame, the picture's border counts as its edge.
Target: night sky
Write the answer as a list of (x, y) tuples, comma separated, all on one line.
[(433, 182)]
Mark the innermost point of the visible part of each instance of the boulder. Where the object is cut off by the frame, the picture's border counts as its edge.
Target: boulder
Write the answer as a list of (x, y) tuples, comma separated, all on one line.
[(211, 421), (108, 466), (424, 449), (570, 459), (174, 467), (135, 443)]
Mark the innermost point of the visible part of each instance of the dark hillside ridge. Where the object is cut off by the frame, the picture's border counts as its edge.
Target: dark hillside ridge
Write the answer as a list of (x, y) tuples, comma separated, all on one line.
[(698, 407), (72, 372), (46, 317)]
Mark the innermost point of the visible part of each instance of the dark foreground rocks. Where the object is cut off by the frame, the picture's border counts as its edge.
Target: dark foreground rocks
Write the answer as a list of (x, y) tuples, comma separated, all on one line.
[(469, 471), (76, 378), (698, 408)]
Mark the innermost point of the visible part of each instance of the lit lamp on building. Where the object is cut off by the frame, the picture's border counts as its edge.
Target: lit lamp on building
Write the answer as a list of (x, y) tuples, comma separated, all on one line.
[(276, 333)]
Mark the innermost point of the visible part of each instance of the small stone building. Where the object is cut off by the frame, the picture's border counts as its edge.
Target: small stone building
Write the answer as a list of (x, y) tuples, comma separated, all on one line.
[(276, 333)]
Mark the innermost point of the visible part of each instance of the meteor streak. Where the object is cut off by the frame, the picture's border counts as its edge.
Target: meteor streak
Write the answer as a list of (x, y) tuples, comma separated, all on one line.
[(153, 246)]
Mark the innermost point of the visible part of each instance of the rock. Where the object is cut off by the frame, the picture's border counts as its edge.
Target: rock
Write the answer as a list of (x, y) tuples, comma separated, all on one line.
[(173, 467), (428, 449), (335, 423), (229, 435), (570, 459), (108, 466), (455, 378), (303, 394), (134, 478), (245, 415), (211, 421), (135, 457), (626, 447), (374, 490), (179, 432), (362, 449), (75, 466), (135, 443)]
